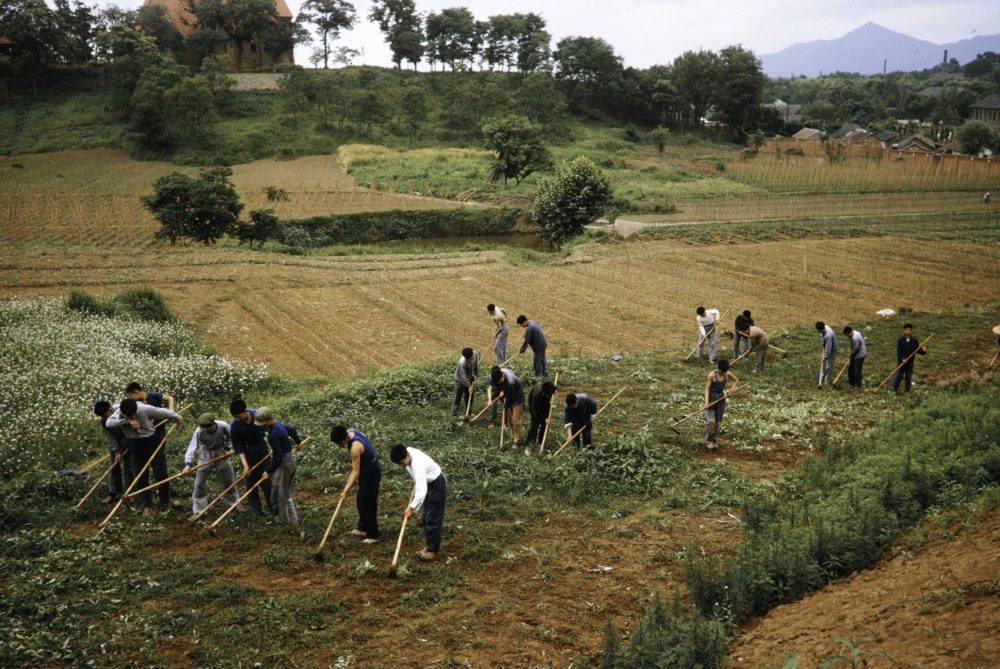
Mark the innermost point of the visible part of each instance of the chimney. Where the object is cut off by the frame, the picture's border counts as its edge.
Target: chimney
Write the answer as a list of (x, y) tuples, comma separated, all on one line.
[(944, 61), (885, 63)]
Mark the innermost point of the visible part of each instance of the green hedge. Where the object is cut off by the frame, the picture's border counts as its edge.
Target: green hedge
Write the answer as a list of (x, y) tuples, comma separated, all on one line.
[(380, 226)]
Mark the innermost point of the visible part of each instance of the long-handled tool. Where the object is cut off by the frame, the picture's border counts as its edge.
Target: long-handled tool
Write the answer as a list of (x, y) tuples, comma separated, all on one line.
[(842, 370), (488, 405), (468, 407), (318, 555), (706, 407), (250, 490), (545, 432), (779, 350), (228, 488), (596, 415), (702, 340), (235, 504), (504, 363), (503, 425), (98, 482), (399, 542), (114, 511), (995, 356), (903, 364), (180, 474), (90, 466)]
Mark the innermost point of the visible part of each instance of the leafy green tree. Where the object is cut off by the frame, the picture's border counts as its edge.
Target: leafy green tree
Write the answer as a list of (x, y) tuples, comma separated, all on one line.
[(974, 136), (150, 113), (215, 71), (500, 40), (128, 53), (538, 98), (533, 50), (452, 37), (694, 77), (413, 103), (243, 21), (113, 15), (400, 22), (263, 226), (660, 135), (578, 194), (329, 17), (740, 83), (370, 109), (473, 99), (983, 65), (154, 21), (281, 38), (517, 147), (36, 31), (191, 109), (203, 209), (77, 24), (586, 60)]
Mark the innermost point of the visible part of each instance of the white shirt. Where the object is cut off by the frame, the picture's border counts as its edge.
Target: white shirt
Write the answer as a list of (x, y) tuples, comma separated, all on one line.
[(220, 438), (423, 470), (710, 317), (499, 317)]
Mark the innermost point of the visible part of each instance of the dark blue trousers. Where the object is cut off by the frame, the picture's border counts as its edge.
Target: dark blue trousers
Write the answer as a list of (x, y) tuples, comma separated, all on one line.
[(255, 453), (368, 485), (139, 451), (538, 362), (854, 372), (434, 513)]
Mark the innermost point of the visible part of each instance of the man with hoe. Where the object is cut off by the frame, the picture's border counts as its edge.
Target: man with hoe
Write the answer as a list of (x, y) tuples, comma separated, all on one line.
[(367, 473), (281, 471), (828, 342), (429, 491), (210, 441), (535, 338), (499, 317), (248, 441), (906, 346), (581, 409)]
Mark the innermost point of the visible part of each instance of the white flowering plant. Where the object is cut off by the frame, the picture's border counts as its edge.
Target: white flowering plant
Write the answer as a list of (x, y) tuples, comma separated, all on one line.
[(55, 363)]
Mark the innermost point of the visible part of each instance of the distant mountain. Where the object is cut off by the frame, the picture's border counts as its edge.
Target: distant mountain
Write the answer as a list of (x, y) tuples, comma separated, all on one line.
[(864, 50)]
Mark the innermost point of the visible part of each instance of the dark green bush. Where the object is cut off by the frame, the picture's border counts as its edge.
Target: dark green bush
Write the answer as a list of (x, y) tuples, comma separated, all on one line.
[(378, 226), (144, 304)]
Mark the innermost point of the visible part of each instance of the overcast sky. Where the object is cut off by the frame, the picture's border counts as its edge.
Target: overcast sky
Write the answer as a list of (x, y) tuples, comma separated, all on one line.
[(650, 32)]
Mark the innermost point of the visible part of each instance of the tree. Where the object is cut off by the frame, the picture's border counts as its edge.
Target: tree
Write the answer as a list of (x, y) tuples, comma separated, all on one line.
[(35, 29), (694, 77), (129, 54), (578, 194), (740, 84), (399, 21), (78, 27), (538, 98), (113, 15), (262, 226), (150, 113), (204, 209), (330, 17), (587, 66), (452, 37), (413, 105), (499, 37), (983, 65), (517, 146), (281, 37), (242, 20), (533, 50), (974, 136), (154, 21), (659, 137), (191, 109)]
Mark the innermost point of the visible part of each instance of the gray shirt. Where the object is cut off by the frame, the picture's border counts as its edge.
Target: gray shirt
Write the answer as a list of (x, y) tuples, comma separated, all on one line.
[(858, 348), (208, 444), (758, 338), (147, 416), (465, 370), (114, 436), (829, 341)]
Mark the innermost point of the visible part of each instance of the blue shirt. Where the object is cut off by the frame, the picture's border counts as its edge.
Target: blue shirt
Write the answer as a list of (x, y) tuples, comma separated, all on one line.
[(154, 399), (580, 416), (370, 456), (534, 337), (246, 435), (281, 437), (513, 390)]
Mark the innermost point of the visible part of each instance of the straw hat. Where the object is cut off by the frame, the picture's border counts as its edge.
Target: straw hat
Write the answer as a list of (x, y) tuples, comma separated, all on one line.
[(996, 329)]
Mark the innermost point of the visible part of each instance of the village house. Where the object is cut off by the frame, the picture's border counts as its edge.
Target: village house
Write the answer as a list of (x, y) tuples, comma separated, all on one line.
[(986, 110), (253, 56)]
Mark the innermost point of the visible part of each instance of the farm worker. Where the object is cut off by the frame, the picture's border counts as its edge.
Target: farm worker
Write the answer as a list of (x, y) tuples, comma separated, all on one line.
[(539, 405), (743, 321), (581, 409), (505, 381), (759, 343), (499, 317), (429, 491), (708, 321), (249, 444), (715, 389), (157, 399), (858, 353), (466, 372), (281, 470), (986, 198), (829, 344), (209, 441), (121, 471), (905, 347), (367, 473), (136, 420), (535, 338)]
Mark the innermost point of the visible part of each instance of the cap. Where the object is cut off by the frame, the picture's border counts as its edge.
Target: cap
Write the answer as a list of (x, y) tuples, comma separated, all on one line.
[(206, 419), (996, 329), (263, 415)]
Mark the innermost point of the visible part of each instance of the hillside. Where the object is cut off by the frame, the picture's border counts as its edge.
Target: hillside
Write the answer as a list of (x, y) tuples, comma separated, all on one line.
[(864, 50)]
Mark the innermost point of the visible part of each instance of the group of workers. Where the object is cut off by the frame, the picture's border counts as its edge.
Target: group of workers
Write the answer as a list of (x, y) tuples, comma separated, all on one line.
[(135, 434)]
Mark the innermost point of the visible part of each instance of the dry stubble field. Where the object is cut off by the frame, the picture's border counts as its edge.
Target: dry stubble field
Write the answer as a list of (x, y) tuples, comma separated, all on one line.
[(72, 220)]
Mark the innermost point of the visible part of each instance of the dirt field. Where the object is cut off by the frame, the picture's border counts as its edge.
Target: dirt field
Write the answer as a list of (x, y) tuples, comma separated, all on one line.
[(935, 607)]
